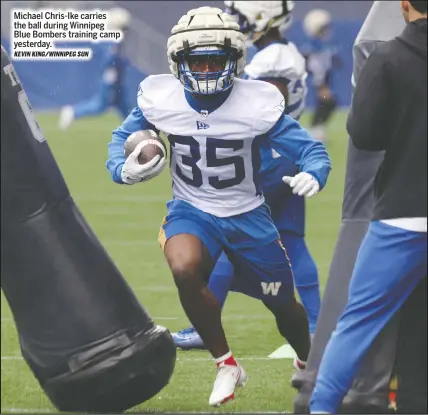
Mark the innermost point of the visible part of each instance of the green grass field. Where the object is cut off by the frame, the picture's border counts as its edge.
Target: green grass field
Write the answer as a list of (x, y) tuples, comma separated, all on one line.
[(127, 220)]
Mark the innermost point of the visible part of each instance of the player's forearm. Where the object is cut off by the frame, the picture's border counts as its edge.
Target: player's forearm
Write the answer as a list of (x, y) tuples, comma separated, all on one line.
[(319, 168), (315, 161), (290, 140), (116, 158)]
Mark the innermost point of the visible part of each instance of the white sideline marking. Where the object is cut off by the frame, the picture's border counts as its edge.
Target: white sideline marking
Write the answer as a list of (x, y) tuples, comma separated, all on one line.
[(283, 352), (12, 358)]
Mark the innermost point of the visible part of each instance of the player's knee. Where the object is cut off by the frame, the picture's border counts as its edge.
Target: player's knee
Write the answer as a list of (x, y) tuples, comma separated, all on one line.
[(186, 260), (184, 270)]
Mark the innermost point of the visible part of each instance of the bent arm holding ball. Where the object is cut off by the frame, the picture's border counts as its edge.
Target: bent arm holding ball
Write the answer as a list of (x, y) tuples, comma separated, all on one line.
[(125, 170)]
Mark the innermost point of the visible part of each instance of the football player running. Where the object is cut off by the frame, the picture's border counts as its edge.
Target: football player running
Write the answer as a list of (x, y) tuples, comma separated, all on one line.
[(322, 57), (215, 125), (279, 62)]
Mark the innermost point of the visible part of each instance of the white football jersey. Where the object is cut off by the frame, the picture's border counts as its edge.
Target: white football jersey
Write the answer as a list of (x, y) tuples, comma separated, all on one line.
[(320, 64), (214, 158), (280, 60)]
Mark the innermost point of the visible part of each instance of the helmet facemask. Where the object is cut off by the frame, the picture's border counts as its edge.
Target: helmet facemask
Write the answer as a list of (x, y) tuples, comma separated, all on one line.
[(207, 70)]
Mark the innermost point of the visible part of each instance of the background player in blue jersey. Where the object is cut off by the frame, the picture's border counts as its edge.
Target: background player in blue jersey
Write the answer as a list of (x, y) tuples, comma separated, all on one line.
[(322, 59), (279, 62), (215, 128), (111, 91)]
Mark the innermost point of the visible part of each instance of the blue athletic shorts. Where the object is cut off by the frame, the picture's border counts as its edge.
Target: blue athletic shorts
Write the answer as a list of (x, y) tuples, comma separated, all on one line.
[(250, 240)]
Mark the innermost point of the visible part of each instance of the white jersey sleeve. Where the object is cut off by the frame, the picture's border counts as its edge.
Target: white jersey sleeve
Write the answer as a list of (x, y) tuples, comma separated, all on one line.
[(285, 62)]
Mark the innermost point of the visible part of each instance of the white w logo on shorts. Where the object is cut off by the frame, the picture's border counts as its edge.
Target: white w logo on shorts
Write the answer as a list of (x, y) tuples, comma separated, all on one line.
[(271, 288)]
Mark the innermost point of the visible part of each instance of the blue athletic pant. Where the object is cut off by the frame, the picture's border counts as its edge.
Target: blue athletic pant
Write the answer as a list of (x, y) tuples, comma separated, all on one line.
[(390, 263), (304, 271)]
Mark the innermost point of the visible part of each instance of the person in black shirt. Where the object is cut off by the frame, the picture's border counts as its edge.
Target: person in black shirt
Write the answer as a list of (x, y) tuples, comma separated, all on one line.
[(389, 113)]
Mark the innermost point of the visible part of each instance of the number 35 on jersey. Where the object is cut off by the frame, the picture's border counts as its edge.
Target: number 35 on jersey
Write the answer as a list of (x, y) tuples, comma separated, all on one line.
[(213, 162)]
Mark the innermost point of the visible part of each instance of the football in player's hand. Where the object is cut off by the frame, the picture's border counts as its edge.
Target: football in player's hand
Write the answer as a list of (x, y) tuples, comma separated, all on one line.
[(154, 146)]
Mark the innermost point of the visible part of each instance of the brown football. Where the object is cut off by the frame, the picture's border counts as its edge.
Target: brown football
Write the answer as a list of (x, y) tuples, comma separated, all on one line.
[(150, 150)]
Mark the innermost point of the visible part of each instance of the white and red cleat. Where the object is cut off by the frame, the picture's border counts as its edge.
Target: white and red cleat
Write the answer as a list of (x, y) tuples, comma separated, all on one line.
[(299, 364), (230, 375)]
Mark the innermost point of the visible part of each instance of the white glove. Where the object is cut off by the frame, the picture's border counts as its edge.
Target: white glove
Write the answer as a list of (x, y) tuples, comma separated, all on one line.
[(134, 172), (303, 184)]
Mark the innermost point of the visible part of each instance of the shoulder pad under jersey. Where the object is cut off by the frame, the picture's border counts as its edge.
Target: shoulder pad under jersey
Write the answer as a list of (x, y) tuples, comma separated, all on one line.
[(266, 100), (154, 90), (277, 61)]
